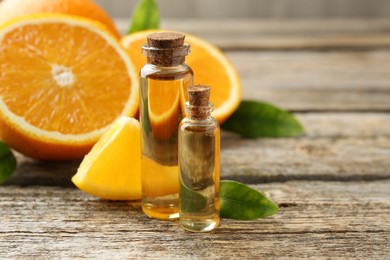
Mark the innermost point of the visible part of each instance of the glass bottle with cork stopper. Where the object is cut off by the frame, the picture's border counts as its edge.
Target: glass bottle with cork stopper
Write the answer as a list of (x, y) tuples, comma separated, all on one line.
[(163, 81), (199, 163)]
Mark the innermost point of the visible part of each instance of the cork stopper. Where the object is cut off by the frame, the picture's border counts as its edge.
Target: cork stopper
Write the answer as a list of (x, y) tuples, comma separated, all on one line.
[(166, 49), (199, 95), (198, 99), (166, 40)]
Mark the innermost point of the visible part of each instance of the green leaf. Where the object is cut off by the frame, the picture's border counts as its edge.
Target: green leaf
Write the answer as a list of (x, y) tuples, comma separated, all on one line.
[(241, 202), (258, 119), (145, 16), (190, 200), (7, 162)]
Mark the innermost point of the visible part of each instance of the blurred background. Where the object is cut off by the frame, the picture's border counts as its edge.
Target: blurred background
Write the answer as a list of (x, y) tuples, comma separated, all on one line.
[(257, 8)]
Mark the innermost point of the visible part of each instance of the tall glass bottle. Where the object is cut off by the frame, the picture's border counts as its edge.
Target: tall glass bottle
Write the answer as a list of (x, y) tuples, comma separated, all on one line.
[(164, 82), (199, 163)]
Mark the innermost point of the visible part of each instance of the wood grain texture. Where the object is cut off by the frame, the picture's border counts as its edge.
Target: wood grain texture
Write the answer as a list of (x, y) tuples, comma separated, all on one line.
[(273, 34), (256, 8), (317, 81), (352, 125), (338, 146), (317, 219), (271, 160)]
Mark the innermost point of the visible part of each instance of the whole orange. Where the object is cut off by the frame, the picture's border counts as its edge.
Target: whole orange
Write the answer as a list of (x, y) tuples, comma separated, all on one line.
[(86, 8)]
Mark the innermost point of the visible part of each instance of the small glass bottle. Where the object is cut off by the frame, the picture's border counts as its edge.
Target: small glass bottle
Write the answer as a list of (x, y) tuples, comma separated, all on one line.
[(163, 80), (199, 159)]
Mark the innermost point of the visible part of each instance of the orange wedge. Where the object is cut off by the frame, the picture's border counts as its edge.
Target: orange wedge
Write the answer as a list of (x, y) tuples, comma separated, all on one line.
[(63, 81), (111, 170), (210, 66)]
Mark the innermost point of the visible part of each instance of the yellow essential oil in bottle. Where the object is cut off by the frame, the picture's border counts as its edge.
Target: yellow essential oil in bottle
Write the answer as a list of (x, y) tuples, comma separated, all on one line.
[(199, 163), (164, 82)]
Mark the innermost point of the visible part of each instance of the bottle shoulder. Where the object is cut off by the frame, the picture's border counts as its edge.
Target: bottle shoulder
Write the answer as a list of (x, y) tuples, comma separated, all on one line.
[(188, 124), (154, 70)]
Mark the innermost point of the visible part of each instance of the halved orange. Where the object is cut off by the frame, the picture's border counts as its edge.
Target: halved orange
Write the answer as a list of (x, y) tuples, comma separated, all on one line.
[(63, 81), (210, 66), (111, 170)]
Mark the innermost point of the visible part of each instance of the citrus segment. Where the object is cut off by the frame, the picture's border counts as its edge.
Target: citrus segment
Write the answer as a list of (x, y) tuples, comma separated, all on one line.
[(10, 9), (64, 80), (111, 170), (163, 104), (210, 66)]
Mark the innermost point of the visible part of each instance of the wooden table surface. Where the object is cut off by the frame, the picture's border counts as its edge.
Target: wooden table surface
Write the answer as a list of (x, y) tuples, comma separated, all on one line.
[(332, 185)]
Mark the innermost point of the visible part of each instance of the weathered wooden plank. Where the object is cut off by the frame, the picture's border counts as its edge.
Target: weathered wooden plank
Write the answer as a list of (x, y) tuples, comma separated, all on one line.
[(265, 34), (322, 81), (164, 243), (292, 9), (271, 160), (354, 125), (317, 219), (337, 146)]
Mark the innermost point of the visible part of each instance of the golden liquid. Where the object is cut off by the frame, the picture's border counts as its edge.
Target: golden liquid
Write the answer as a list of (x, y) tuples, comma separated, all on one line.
[(162, 96), (199, 157), (159, 189)]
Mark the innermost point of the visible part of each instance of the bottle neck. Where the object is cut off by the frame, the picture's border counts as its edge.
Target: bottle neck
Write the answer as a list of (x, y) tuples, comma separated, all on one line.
[(166, 57), (198, 112)]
